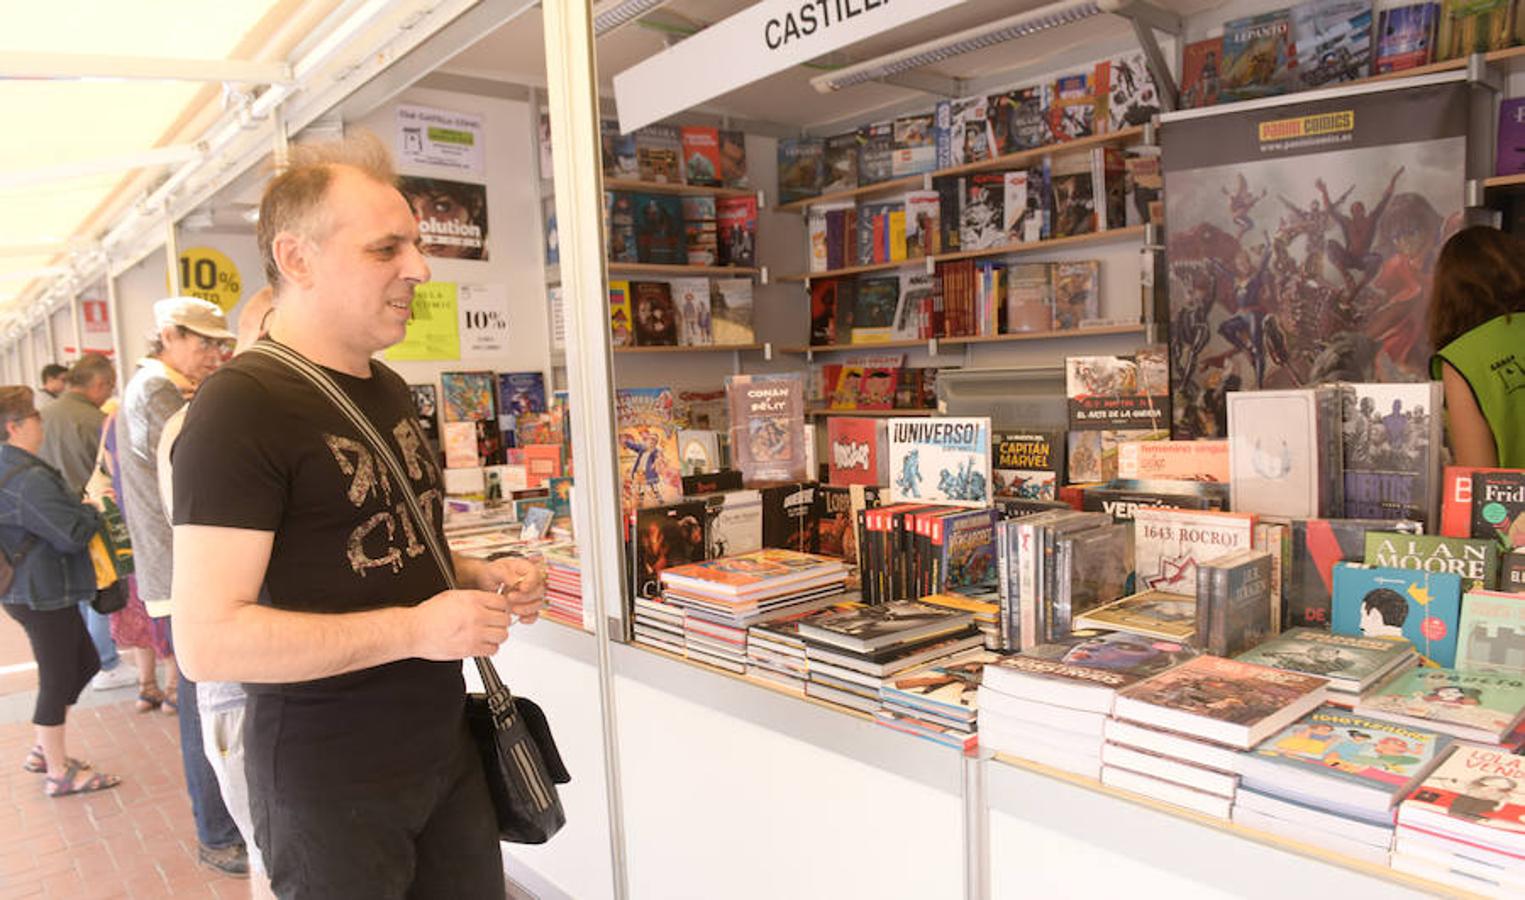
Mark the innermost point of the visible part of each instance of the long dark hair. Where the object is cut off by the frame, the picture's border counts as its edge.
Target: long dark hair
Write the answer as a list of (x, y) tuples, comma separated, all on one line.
[(1479, 276)]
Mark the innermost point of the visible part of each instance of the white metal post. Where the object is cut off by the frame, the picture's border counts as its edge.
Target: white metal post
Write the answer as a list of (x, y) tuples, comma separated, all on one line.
[(572, 84), (47, 330), (74, 322), (171, 254), (114, 320)]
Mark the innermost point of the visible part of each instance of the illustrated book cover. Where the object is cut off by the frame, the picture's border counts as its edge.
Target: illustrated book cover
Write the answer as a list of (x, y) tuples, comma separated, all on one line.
[(1421, 607), (768, 426), (1221, 700), (1170, 543), (651, 472), (1028, 464), (1392, 443), (1284, 457), (1492, 633), (1476, 561), (940, 460), (1351, 663), (856, 451), (1470, 705), (1498, 501), (1169, 617)]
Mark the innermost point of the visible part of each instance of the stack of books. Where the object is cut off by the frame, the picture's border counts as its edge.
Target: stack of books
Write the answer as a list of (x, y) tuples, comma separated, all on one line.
[(1334, 778), (1353, 665), (563, 585), (1050, 704), (775, 651), (1208, 703), (1474, 706), (659, 624), (1465, 824), (1055, 566), (936, 700), (721, 598), (985, 607), (852, 653)]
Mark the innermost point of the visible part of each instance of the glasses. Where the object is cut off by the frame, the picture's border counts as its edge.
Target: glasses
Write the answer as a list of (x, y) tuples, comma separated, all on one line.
[(205, 343)]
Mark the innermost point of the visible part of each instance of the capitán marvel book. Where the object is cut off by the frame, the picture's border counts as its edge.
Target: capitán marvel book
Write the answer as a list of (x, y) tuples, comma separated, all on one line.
[(1423, 607), (768, 426), (1028, 464), (940, 460)]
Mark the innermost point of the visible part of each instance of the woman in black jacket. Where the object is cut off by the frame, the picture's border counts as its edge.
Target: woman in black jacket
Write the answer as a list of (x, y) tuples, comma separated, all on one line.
[(45, 533)]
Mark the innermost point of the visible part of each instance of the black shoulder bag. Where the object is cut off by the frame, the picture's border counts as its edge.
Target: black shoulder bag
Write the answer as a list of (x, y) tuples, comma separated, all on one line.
[(11, 562), (512, 735)]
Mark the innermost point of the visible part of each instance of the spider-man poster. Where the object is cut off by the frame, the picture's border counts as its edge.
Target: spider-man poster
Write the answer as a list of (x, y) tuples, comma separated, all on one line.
[(1302, 234)]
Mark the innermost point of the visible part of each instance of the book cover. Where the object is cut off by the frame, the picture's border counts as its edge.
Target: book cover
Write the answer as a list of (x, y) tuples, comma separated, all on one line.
[(1127, 87), (801, 169), (856, 451), (1121, 497), (1072, 193), (617, 150), (1481, 787), (836, 532), (1093, 570), (768, 426), (1510, 156), (621, 320), (967, 562), (700, 231), (1020, 119), (737, 234), (699, 451), (1347, 660), (650, 469), (1201, 66), (620, 226), (426, 406), (1391, 444), (1204, 461), (1353, 749), (946, 686), (1239, 613), (659, 154), (1169, 544), (1030, 298), (1492, 633), (1476, 562), (923, 223), (841, 163), (876, 153), (1028, 464), (874, 305), (1170, 617), (468, 396), (659, 235), (1422, 607), (825, 295), (1475, 26), (1456, 499), (1406, 37), (888, 624), (1284, 457), (656, 316), (1021, 209), (963, 132), (1481, 702), (461, 445), (733, 159), (1077, 293), (1313, 547), (982, 220), (1072, 112), (701, 155), (521, 392), (1332, 41), (915, 309), (915, 148), (1128, 657), (1512, 572), (731, 312), (1112, 399), (666, 536), (1258, 57), (789, 519), (1498, 499), (691, 298), (940, 460), (732, 523), (1221, 690)]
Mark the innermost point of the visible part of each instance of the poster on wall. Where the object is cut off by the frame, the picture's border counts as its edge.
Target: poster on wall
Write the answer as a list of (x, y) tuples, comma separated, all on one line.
[(1302, 238), (208, 273), (439, 137), (483, 310), (433, 328), (452, 216), (94, 327)]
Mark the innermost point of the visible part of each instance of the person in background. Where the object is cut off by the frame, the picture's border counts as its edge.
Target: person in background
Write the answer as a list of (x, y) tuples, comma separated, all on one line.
[(71, 439), (46, 529), (1479, 343), (191, 338), (52, 380), (222, 703)]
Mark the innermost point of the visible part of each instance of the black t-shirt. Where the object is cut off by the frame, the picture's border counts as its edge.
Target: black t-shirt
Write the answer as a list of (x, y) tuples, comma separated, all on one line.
[(262, 449)]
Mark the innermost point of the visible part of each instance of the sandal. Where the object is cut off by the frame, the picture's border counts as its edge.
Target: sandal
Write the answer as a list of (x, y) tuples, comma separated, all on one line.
[(37, 763), (171, 704), (63, 787), (150, 698)]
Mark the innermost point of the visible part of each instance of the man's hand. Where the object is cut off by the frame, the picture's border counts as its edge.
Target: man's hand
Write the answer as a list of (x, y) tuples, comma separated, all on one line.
[(459, 624), (522, 580)]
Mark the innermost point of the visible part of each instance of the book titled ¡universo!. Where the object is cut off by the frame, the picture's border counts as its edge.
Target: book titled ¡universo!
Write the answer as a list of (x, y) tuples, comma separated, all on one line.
[(942, 460)]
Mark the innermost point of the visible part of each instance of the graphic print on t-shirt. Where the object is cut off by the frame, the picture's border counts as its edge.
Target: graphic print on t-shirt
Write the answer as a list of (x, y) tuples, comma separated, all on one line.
[(389, 536)]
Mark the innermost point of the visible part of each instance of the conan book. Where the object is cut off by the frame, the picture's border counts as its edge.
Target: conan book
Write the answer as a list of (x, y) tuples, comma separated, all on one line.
[(1470, 705), (940, 460), (856, 451), (1392, 442), (1475, 561), (656, 317), (1421, 607), (1492, 637), (1352, 664), (651, 472), (1498, 499), (1170, 543), (1028, 464), (768, 426)]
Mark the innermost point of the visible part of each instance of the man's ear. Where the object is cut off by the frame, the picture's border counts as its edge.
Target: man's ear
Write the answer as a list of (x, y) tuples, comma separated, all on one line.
[(292, 254)]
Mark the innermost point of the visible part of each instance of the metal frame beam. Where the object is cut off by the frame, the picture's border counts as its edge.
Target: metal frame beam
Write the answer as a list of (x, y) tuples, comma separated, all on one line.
[(159, 156), (140, 68)]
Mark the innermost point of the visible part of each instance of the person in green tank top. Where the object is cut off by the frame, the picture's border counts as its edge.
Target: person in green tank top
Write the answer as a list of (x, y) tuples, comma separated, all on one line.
[(1477, 325)]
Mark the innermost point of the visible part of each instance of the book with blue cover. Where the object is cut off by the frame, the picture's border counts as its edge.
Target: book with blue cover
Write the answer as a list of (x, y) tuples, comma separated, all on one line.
[(1423, 607), (521, 392)]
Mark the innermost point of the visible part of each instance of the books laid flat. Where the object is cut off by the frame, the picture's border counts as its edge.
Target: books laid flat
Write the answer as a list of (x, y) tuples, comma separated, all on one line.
[(945, 688), (1346, 762), (1474, 706), (1168, 791), (1476, 794), (1352, 664), (1223, 700), (1374, 853), (891, 624), (1318, 822), (1086, 670), (1165, 768), (898, 658), (1424, 607), (1167, 616), (761, 572), (1168, 743)]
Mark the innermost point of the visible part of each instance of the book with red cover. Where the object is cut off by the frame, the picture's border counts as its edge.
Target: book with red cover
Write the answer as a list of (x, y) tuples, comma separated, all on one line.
[(1456, 499), (738, 230), (701, 155), (543, 462), (855, 451)]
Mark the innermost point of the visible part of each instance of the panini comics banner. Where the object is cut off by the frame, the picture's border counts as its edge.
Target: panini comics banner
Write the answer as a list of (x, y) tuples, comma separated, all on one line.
[(1302, 238)]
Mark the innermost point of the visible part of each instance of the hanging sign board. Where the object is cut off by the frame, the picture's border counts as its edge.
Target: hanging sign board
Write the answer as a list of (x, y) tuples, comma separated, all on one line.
[(483, 310), (95, 327), (762, 39), (438, 137), (434, 330), (209, 274)]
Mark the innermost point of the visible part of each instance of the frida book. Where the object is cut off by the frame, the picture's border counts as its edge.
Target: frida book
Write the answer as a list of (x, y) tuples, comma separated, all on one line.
[(651, 473), (768, 426), (940, 460)]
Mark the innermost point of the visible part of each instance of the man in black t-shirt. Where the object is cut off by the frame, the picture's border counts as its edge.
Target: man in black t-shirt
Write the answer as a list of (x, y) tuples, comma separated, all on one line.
[(299, 571)]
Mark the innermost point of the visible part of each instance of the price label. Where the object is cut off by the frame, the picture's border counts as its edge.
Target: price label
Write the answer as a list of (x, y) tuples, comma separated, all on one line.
[(210, 275)]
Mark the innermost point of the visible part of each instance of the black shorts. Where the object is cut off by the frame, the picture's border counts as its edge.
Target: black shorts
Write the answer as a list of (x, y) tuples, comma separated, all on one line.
[(433, 835)]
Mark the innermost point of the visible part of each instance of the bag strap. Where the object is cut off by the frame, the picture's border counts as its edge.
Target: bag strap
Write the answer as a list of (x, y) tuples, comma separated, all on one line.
[(28, 542), (500, 700)]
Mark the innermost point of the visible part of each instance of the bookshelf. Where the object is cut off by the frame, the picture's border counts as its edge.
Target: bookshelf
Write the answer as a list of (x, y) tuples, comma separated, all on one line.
[(680, 190), (1017, 159), (1021, 248), (661, 269), (808, 277), (1500, 182), (701, 348), (822, 412), (1062, 334)]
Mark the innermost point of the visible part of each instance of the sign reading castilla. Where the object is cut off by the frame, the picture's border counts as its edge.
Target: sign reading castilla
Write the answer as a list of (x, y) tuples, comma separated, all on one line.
[(767, 37)]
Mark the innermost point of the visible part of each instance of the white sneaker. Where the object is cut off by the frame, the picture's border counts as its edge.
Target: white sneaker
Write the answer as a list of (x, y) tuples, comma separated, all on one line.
[(109, 680)]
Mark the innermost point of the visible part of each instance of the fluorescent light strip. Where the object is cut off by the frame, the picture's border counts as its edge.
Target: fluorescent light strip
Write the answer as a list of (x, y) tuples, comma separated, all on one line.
[(912, 58), (609, 20)]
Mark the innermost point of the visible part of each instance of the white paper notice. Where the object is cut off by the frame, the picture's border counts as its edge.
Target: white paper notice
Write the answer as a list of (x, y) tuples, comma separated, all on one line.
[(439, 137), (483, 309)]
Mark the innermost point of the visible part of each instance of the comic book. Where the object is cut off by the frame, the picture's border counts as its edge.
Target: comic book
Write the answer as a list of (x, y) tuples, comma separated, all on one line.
[(1491, 636), (659, 154), (915, 312), (1201, 64), (733, 159), (983, 218), (1077, 293), (621, 323), (1156, 614), (1423, 607), (1097, 662), (691, 299), (1498, 507), (426, 405), (874, 305), (1028, 464), (651, 472), (469, 396), (1476, 794), (1072, 112), (656, 317), (1476, 561), (1509, 157), (1204, 461), (666, 536), (619, 209), (940, 460), (737, 231), (840, 160), (700, 231), (923, 224), (1111, 399), (701, 155), (768, 426), (659, 235), (1120, 497), (1234, 602), (1092, 569), (1392, 444), (1313, 547), (856, 451), (1477, 706), (1021, 209), (521, 392), (733, 523), (1072, 188), (801, 168), (915, 147), (963, 132), (1127, 88), (731, 312), (1284, 452), (1475, 26), (618, 150), (1406, 37), (967, 560), (1169, 544), (1020, 119), (699, 451), (876, 153), (1258, 57), (1221, 700), (1351, 663), (1332, 41)]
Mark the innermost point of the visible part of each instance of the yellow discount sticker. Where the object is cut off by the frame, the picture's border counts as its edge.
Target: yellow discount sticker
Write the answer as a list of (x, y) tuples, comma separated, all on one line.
[(210, 275)]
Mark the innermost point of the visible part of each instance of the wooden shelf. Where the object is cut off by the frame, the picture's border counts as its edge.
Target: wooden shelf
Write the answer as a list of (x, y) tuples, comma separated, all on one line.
[(1508, 54), (821, 412), (1504, 181), (661, 269), (1059, 334), (1026, 247), (807, 277), (701, 348), (861, 348), (773, 686), (1019, 158), (682, 190)]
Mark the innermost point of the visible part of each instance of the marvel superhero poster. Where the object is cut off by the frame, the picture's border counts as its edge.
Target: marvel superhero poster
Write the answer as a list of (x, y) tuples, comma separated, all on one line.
[(1301, 241)]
